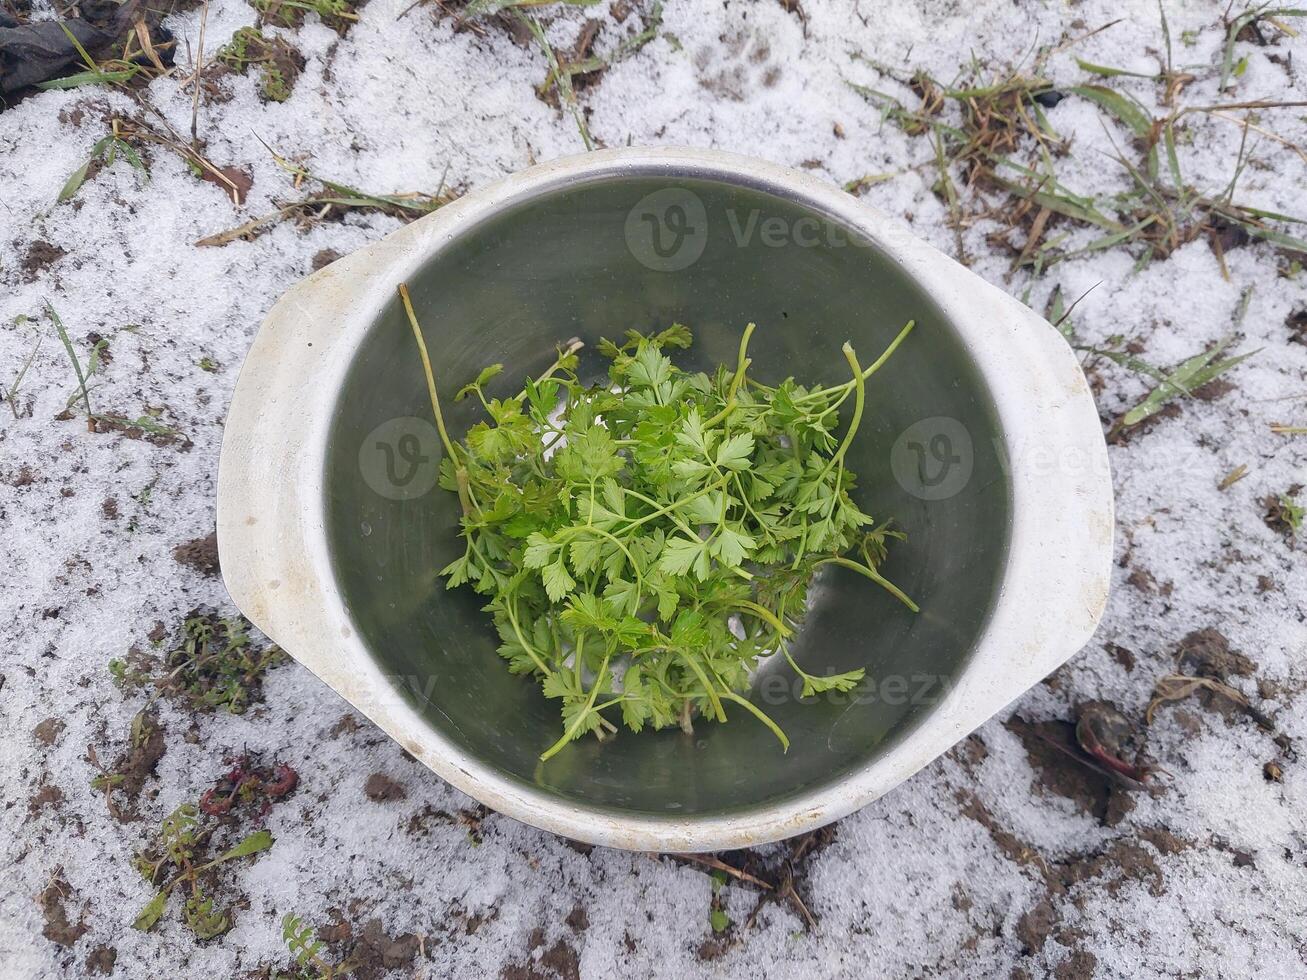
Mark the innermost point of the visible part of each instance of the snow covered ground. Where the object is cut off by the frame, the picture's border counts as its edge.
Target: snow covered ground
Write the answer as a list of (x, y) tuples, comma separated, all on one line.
[(1002, 858)]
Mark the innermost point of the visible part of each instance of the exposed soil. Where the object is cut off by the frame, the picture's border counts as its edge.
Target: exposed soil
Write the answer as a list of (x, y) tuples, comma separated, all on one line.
[(46, 796), (1065, 768), (129, 428), (40, 256), (377, 953), (56, 902), (200, 554), (126, 778), (323, 258), (556, 961), (380, 788), (1297, 324), (1076, 879), (101, 960), (1277, 516), (47, 732), (1206, 652), (235, 182)]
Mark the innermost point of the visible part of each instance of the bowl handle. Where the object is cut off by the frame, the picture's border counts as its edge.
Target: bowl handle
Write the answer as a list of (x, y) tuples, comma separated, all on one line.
[(1060, 556), (271, 539)]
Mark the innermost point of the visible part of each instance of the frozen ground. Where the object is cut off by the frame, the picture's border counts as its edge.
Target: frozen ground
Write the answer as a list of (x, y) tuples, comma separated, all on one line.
[(1002, 858)]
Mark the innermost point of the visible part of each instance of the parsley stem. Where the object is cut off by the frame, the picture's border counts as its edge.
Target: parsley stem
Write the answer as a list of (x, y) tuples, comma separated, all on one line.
[(879, 362), (741, 365), (581, 716), (465, 498), (741, 361), (676, 518), (692, 661), (859, 400), (802, 548), (760, 715), (785, 649), (675, 504), (875, 366), (577, 660), (426, 367), (744, 497), (571, 349), (765, 614), (875, 576), (510, 607), (639, 582)]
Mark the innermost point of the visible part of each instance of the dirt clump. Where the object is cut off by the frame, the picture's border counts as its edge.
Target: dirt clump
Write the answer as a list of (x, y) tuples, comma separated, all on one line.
[(380, 788), (377, 953), (200, 554), (47, 796), (47, 732), (323, 258), (559, 961), (40, 256), (126, 778), (1095, 762), (101, 960), (1207, 653), (54, 902)]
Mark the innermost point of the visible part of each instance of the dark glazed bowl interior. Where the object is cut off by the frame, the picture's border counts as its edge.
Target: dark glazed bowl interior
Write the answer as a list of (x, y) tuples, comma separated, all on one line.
[(557, 266)]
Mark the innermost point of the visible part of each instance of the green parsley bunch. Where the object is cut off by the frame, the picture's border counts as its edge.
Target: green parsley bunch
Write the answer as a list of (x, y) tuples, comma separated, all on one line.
[(644, 542)]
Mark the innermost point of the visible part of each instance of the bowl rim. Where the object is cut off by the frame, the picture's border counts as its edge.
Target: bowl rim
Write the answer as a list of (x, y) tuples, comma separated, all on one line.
[(275, 448)]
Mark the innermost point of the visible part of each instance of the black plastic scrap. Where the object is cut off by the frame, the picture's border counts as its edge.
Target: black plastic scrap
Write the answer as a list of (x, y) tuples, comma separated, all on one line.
[(37, 52)]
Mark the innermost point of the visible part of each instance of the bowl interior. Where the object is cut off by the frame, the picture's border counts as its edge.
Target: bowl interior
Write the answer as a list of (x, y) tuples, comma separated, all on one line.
[(572, 262)]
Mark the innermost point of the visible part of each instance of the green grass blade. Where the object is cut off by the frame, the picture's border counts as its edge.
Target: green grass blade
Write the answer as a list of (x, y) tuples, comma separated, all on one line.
[(484, 8), (1123, 107), (1108, 72), (1060, 204), (90, 77), (1173, 162), (1238, 24), (1188, 375), (78, 176), (1277, 238), (133, 157), (1218, 368), (22, 372), (1272, 215), (86, 58), (72, 355)]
